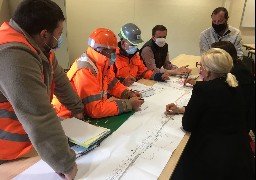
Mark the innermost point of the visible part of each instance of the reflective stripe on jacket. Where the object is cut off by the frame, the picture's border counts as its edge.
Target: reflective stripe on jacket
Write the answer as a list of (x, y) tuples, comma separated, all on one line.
[(14, 141), (92, 80), (134, 67)]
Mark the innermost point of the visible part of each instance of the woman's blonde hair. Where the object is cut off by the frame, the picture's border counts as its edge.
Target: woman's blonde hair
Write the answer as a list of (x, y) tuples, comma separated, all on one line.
[(218, 61)]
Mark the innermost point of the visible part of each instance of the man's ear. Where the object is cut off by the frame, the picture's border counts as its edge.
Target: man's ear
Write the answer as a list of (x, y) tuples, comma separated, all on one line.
[(44, 34)]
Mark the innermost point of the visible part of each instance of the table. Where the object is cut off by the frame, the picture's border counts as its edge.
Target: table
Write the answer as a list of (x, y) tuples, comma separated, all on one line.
[(13, 168)]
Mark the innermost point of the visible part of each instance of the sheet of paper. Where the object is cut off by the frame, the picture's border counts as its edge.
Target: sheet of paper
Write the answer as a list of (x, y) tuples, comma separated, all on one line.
[(152, 137), (39, 171), (139, 87), (145, 91)]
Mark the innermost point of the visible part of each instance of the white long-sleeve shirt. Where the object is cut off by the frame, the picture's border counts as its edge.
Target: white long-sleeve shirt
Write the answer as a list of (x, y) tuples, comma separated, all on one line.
[(209, 36)]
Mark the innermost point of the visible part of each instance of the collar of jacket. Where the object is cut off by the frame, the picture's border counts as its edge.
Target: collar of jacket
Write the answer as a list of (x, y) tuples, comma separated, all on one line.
[(100, 59), (31, 41)]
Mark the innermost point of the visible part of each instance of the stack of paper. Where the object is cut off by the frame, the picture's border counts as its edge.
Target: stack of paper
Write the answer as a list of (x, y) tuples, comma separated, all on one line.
[(80, 150), (83, 133)]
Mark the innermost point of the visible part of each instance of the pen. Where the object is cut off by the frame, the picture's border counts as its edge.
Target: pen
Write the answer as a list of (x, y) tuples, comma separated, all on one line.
[(186, 77), (196, 78)]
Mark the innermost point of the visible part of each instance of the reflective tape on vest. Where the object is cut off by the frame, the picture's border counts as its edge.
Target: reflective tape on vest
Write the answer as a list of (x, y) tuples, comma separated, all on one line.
[(92, 98), (95, 97), (8, 114), (120, 106), (14, 137), (113, 83)]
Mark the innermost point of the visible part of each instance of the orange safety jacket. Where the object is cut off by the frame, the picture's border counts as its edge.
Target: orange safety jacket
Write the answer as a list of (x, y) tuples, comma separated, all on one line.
[(134, 67), (14, 141), (92, 79)]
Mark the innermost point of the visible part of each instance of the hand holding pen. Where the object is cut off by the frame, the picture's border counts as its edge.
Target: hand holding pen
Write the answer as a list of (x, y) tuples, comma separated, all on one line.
[(172, 109), (135, 94), (136, 102), (191, 81)]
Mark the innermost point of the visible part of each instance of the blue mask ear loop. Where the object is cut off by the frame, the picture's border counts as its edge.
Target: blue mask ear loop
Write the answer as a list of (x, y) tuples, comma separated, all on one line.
[(59, 41)]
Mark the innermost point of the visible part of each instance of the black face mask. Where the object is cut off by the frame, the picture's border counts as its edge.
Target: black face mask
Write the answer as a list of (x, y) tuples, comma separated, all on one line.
[(219, 27)]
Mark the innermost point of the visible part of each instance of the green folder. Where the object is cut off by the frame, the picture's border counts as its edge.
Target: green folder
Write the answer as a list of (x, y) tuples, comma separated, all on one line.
[(112, 123)]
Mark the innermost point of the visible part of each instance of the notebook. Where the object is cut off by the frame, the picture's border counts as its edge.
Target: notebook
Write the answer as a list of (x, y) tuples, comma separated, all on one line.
[(80, 150), (82, 133)]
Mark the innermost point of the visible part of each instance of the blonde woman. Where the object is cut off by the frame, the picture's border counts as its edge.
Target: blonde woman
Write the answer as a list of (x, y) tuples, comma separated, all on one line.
[(218, 147)]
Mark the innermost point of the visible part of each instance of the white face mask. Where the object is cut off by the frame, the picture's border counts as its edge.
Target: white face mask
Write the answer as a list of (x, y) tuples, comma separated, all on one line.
[(160, 42)]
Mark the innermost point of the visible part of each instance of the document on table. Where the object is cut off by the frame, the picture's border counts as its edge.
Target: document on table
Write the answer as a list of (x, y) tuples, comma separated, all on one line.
[(145, 91)]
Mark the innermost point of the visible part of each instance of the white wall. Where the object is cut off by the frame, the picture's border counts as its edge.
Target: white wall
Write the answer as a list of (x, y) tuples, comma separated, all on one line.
[(235, 17), (184, 19), (62, 53), (248, 19), (12, 5), (8, 8), (4, 11)]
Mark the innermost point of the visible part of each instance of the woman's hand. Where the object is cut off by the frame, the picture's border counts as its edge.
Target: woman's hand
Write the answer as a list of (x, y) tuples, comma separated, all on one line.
[(172, 109)]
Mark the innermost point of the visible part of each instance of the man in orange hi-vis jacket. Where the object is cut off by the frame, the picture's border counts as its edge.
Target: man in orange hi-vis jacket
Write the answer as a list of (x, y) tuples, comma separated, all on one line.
[(129, 66), (92, 78)]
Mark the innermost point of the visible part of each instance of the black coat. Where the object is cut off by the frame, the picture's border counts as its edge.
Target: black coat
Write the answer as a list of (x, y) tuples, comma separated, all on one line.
[(246, 83), (218, 148)]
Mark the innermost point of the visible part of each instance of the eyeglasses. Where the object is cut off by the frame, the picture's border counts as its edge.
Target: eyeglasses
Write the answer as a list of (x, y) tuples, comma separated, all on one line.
[(198, 65), (106, 50)]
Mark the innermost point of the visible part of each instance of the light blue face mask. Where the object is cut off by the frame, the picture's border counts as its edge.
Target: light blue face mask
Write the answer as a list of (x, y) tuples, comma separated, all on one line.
[(60, 41), (132, 49), (112, 59)]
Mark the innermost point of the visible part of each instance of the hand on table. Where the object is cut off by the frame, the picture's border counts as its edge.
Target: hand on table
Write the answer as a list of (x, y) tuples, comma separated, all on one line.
[(79, 116), (172, 109), (129, 81), (190, 81), (136, 103), (165, 76), (71, 174), (135, 94)]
